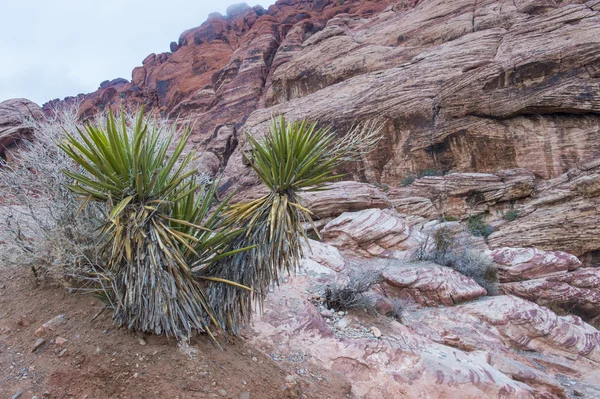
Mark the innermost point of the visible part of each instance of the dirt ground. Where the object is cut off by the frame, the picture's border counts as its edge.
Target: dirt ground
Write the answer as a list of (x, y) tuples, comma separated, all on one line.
[(99, 360)]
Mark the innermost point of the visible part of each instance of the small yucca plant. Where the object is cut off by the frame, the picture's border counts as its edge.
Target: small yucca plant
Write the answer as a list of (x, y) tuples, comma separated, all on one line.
[(159, 222), (293, 158)]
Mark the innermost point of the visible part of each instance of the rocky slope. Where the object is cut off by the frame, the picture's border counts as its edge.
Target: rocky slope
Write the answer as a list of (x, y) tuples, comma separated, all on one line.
[(463, 85), (491, 117), (508, 90)]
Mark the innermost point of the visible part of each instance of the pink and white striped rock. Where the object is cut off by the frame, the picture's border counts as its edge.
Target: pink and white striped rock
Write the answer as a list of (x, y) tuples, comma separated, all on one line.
[(430, 284), (371, 232), (517, 264), (326, 255), (401, 363), (578, 290), (526, 325)]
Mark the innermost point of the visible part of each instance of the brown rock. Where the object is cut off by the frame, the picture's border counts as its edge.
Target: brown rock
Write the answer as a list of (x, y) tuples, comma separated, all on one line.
[(461, 194), (13, 126), (345, 196), (564, 214), (51, 325), (38, 344)]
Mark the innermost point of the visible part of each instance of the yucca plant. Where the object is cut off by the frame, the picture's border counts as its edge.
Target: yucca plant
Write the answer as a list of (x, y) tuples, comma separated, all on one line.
[(160, 221), (294, 157)]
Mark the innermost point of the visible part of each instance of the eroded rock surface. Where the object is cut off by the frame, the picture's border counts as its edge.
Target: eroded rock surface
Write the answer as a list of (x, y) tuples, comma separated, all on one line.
[(430, 284), (516, 264), (13, 116), (500, 346), (372, 232)]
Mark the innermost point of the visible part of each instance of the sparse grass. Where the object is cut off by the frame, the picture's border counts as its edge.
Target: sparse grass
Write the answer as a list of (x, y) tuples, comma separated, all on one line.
[(431, 172), (383, 187), (448, 218), (511, 215), (478, 227), (408, 180)]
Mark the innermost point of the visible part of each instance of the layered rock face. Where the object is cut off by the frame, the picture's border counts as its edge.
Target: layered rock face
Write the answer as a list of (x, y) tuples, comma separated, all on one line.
[(14, 115), (460, 86)]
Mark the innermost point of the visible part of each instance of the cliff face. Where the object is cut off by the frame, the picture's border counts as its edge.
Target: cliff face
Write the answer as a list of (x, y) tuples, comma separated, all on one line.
[(463, 85)]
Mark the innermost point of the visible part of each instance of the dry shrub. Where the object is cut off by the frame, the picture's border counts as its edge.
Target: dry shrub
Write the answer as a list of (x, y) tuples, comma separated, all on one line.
[(351, 295), (44, 225), (448, 247)]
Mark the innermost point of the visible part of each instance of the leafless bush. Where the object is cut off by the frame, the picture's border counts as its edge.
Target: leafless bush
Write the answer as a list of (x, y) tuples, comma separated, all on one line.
[(43, 224), (448, 247), (352, 294)]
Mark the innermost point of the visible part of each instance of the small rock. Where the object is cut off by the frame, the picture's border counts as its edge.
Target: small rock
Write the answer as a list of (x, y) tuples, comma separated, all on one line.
[(62, 352), (222, 392), (38, 344), (326, 313), (254, 359), (51, 325), (60, 341), (343, 323), (245, 395), (290, 378), (376, 332), (341, 313), (17, 395), (136, 375), (578, 393), (142, 341)]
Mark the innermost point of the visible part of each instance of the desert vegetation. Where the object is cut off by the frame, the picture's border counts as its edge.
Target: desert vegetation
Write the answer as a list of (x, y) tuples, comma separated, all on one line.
[(448, 247), (124, 214)]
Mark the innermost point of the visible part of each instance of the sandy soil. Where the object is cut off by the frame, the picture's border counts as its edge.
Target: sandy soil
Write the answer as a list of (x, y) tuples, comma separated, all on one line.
[(99, 360)]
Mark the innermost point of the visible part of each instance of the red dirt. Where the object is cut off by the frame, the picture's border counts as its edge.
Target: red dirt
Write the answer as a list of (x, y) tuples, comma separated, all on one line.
[(103, 361)]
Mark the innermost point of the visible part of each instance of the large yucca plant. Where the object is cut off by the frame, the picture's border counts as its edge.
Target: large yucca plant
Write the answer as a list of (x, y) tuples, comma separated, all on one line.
[(160, 221), (294, 157)]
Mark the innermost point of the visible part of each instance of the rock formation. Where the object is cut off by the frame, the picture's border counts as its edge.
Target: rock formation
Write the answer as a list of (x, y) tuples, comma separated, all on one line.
[(14, 114), (491, 113)]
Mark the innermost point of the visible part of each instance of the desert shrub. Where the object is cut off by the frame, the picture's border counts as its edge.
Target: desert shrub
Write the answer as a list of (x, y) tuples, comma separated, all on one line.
[(447, 247), (448, 218), (431, 172), (511, 215), (478, 227), (44, 226), (293, 158), (408, 180), (383, 187), (158, 223), (351, 295)]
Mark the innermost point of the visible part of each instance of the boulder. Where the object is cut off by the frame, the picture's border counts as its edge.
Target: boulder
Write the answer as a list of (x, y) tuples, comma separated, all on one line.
[(517, 264), (430, 284), (344, 196), (14, 114), (469, 351), (372, 232), (577, 291)]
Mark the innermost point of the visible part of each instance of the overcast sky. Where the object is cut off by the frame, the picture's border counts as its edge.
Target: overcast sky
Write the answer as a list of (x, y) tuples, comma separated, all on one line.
[(57, 48)]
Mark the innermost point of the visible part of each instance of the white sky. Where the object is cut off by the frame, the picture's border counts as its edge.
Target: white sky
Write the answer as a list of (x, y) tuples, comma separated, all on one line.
[(57, 48)]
